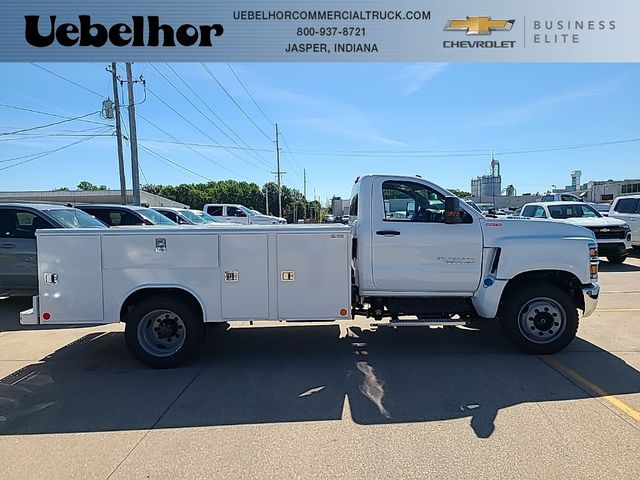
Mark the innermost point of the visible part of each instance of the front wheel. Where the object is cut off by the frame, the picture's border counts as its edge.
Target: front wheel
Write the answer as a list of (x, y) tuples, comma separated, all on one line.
[(540, 320), (162, 332)]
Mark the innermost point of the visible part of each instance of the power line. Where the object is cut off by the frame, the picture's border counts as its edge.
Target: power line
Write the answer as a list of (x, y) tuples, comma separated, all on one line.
[(168, 160), (201, 131), (31, 110), (177, 141), (68, 80), (290, 156), (48, 124), (71, 135), (43, 154), (201, 113), (217, 116), (249, 93), (234, 101), (423, 153)]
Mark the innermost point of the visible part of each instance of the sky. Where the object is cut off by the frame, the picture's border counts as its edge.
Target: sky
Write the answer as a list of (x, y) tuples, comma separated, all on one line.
[(337, 121)]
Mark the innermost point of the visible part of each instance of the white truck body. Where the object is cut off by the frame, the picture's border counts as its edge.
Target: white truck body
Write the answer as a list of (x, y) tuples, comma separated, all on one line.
[(449, 264), (235, 273)]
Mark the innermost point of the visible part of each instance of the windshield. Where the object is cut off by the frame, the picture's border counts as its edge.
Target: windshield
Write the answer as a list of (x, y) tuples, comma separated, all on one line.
[(205, 216), (248, 211), (573, 210), (155, 217), (192, 217), (73, 218)]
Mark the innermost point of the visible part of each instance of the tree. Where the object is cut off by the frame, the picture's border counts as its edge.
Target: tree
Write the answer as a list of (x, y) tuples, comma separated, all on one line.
[(196, 195), (459, 193), (88, 186)]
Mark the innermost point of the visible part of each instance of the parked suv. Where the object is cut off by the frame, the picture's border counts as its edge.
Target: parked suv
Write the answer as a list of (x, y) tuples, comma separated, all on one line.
[(124, 215), (628, 209), (185, 216), (234, 213), (18, 255), (612, 234)]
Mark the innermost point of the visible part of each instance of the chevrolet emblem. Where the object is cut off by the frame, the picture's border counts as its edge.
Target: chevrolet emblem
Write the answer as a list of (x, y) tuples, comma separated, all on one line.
[(479, 25)]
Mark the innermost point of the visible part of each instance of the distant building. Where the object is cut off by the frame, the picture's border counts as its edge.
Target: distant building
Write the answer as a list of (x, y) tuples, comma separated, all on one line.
[(87, 196), (340, 206), (486, 187), (602, 191)]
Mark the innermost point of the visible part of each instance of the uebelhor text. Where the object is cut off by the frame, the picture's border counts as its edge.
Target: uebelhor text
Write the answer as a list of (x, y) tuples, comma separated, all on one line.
[(141, 32)]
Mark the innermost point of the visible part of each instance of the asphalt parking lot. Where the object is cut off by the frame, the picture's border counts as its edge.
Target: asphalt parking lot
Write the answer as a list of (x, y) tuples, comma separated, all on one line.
[(323, 401)]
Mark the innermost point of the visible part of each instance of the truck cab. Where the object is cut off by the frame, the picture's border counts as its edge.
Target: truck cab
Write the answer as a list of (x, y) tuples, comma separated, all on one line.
[(414, 255)]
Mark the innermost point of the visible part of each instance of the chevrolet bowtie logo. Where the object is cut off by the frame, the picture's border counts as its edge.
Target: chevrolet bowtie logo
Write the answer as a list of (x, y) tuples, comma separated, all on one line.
[(479, 25)]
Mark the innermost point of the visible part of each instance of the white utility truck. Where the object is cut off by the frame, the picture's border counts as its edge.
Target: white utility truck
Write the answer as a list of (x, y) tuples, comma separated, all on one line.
[(438, 261)]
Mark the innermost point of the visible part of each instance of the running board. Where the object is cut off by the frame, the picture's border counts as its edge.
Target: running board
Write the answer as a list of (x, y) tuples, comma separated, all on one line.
[(435, 322)]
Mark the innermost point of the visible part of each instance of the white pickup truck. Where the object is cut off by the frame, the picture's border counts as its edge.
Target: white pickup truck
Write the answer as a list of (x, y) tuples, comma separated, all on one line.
[(441, 263), (234, 213)]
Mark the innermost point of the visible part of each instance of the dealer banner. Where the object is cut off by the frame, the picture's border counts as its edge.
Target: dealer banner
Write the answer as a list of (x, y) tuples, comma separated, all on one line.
[(320, 30)]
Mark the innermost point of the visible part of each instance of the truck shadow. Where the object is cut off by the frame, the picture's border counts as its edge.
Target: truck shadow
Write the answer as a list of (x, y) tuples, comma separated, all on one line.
[(293, 374), (605, 266)]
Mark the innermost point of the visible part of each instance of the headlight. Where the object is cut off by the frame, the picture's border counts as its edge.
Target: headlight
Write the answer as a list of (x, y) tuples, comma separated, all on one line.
[(626, 227)]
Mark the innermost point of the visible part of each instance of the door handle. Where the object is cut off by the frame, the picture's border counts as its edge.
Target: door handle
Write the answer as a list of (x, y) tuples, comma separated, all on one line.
[(7, 245), (388, 233)]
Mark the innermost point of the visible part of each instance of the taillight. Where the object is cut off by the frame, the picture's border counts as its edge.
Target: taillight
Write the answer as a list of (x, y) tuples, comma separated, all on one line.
[(593, 261)]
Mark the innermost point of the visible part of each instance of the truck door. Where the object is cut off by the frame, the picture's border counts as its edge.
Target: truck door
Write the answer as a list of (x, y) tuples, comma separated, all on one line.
[(235, 215), (18, 261), (413, 249)]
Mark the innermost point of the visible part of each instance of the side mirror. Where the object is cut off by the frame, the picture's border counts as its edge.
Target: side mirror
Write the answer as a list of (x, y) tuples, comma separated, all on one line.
[(452, 210)]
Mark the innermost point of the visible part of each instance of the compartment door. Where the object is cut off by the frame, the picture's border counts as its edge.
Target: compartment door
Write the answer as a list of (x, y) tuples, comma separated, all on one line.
[(313, 276), (245, 281), (70, 278)]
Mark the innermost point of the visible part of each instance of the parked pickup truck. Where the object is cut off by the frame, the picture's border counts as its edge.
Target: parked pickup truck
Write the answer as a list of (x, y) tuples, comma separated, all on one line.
[(228, 213), (441, 264)]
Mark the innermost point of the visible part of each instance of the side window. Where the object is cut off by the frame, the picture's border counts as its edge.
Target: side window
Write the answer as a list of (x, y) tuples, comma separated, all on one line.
[(22, 224), (353, 206), (121, 217), (413, 202), (539, 213), (547, 198), (569, 198), (170, 215), (528, 211), (102, 215), (627, 205), (215, 210), (235, 212)]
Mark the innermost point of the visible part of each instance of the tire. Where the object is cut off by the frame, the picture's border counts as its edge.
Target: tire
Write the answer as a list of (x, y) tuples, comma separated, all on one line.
[(162, 332), (540, 319), (616, 258)]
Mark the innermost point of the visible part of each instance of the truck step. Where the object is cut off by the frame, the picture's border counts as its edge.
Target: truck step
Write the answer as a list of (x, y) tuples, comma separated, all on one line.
[(420, 322)]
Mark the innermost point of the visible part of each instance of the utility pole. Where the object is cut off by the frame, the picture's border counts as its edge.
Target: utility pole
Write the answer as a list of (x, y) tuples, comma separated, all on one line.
[(278, 173), (133, 140), (304, 176), (116, 98), (266, 197)]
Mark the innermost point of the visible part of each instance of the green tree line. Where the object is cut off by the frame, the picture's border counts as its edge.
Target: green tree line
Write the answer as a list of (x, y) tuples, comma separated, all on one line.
[(196, 195)]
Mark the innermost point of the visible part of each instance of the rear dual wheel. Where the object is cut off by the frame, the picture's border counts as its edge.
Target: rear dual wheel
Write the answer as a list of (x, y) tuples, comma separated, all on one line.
[(163, 332), (540, 319)]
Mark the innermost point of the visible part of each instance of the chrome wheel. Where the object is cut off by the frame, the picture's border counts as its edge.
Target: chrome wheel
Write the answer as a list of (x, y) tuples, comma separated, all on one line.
[(542, 320), (161, 333)]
